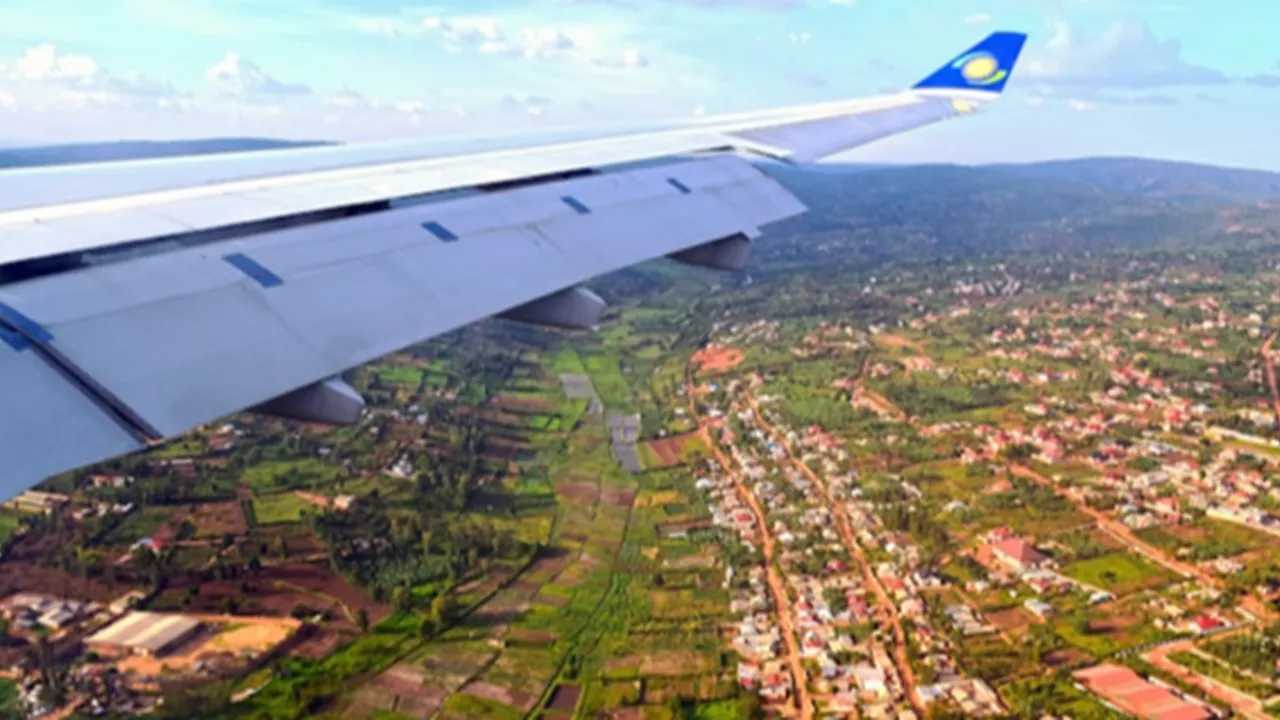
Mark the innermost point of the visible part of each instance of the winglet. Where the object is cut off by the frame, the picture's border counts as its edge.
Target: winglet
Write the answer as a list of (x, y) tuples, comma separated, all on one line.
[(985, 67)]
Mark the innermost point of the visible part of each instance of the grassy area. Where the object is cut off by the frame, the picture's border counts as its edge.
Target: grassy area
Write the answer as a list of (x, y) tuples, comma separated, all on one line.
[(9, 706), (606, 375), (1224, 674), (1208, 539), (300, 686), (471, 706), (9, 523), (1055, 695), (406, 375), (138, 525), (279, 474), (277, 509), (1118, 572), (1255, 652), (724, 709)]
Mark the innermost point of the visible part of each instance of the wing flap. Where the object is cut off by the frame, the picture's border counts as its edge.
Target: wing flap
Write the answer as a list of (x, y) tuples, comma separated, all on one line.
[(48, 424)]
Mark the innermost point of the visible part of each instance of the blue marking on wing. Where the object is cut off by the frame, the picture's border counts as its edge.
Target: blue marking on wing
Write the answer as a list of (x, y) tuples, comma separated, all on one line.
[(254, 269)]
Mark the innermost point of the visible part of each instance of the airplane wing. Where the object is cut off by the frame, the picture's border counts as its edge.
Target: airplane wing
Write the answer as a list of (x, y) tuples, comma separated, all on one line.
[(141, 299)]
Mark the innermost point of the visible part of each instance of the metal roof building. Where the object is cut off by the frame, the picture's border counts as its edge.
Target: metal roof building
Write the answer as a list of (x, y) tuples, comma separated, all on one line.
[(145, 633)]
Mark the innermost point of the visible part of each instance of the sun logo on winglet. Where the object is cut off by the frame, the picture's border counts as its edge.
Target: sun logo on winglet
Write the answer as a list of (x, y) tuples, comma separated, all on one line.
[(980, 68)]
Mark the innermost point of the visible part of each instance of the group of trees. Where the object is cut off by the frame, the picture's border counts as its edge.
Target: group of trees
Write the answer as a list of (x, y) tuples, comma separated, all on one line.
[(393, 547)]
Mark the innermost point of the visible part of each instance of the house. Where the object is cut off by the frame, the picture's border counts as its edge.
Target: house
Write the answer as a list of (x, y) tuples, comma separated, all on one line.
[(871, 680), (1017, 554), (1204, 623), (1039, 608)]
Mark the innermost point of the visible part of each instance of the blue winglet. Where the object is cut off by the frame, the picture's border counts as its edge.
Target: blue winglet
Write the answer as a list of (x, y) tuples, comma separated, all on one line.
[(985, 66)]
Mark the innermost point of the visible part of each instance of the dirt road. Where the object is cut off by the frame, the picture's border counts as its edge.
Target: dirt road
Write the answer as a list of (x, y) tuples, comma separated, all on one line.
[(777, 588), (888, 608), (1245, 705), (1121, 532)]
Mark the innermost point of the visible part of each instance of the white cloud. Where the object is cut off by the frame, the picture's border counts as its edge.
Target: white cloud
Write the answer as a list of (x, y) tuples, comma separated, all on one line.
[(630, 58), (799, 38), (531, 105), (379, 26), (486, 35), (44, 62), (7, 100), (980, 18), (1080, 105), (234, 75), (44, 79), (410, 107), (1126, 54), (544, 42)]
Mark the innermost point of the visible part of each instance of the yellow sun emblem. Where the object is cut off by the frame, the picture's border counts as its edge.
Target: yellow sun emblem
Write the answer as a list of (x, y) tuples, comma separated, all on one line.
[(979, 68)]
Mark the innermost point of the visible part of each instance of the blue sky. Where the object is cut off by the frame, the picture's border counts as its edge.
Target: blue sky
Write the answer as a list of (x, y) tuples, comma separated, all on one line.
[(1185, 79)]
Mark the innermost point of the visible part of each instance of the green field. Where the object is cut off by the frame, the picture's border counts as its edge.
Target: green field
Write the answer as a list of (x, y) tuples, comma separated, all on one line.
[(1225, 674), (1057, 696), (9, 707), (606, 375), (274, 475), (279, 509), (406, 375), (138, 525), (1118, 572), (9, 524)]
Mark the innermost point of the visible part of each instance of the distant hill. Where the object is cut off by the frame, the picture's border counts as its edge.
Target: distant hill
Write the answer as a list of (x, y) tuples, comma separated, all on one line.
[(1158, 178), (870, 213), (135, 150), (1150, 178), (875, 214)]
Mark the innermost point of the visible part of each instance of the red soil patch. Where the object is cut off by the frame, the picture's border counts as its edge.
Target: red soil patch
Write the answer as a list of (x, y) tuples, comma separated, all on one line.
[(566, 698), (621, 497), (526, 636), (212, 519), (671, 451), (584, 493), (1011, 619), (717, 358), (26, 577), (277, 590), (400, 680), (1066, 657), (524, 405), (497, 693), (318, 644)]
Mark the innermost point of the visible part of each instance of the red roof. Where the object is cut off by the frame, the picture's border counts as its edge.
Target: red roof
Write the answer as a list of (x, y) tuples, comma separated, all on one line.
[(1208, 622), (1129, 692), (1018, 550)]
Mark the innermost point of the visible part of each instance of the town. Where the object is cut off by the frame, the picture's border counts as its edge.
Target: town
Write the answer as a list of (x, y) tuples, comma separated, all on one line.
[(1008, 486)]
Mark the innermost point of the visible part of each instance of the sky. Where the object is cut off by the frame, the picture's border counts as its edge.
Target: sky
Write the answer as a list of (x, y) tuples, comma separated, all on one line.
[(1179, 79)]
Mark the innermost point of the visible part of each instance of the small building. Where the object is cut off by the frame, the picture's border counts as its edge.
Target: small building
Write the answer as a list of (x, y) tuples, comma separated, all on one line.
[(35, 501), (144, 633), (1017, 554), (1039, 608)]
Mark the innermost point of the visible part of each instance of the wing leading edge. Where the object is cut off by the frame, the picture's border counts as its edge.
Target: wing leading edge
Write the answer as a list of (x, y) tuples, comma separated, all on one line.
[(171, 305)]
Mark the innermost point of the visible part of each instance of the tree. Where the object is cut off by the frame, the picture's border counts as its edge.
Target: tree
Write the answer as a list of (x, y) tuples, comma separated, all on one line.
[(441, 611), (362, 619)]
